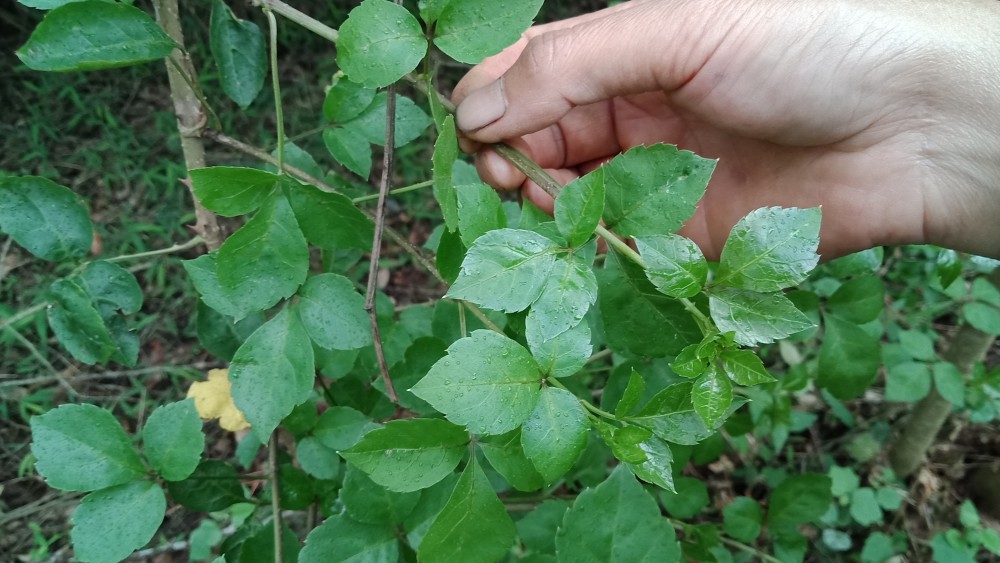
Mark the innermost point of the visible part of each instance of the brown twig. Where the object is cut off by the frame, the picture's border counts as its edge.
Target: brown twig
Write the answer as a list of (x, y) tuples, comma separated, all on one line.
[(272, 462)]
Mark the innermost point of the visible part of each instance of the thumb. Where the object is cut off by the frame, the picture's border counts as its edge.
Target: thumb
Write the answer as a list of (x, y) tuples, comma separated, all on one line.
[(651, 46)]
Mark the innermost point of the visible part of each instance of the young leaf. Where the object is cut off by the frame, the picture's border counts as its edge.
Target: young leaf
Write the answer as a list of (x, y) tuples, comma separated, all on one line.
[(638, 319), (770, 249), (744, 368), (674, 264), (345, 99), (214, 485), (616, 521), (268, 257), (409, 455), (670, 414), (94, 35), (473, 527), (689, 363), (797, 500), (579, 207), (238, 49), (349, 149), (410, 119), (479, 211), (562, 355), (741, 519), (77, 324), (505, 454), (848, 358), (756, 318), (653, 190), (272, 372), (173, 441), (370, 503), (471, 30), (112, 523), (505, 270), (658, 467), (231, 190), (83, 448), (487, 382), (712, 396), (333, 313), (633, 394), (340, 539), (859, 300), (329, 220), (566, 297), (379, 43), (48, 220), (445, 155), (111, 287), (555, 433)]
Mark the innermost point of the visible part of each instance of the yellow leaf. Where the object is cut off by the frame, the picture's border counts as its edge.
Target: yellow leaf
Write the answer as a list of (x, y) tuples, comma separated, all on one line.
[(214, 399)]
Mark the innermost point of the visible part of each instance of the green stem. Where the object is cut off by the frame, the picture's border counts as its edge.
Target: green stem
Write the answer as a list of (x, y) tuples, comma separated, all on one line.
[(293, 15), (586, 404), (272, 24), (30, 311), (169, 250), (272, 462), (403, 190)]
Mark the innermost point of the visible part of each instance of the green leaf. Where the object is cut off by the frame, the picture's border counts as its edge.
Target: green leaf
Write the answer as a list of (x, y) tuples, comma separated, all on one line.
[(83, 448), (569, 291), (345, 99), (379, 43), (950, 383), (907, 382), (272, 372), (45, 4), (770, 249), (984, 290), (878, 547), (505, 270), (859, 300), (638, 318), (220, 335), (712, 396), (330, 220), (741, 519), (983, 317), (349, 149), (797, 500), (259, 547), (172, 440), (267, 258), (918, 345), (432, 500), (689, 363), (479, 211), (409, 455), (370, 503), (111, 287), (658, 467), (94, 35), (112, 523), (229, 302), (487, 382), (126, 341), (77, 324), (471, 30), (616, 522), (537, 530), (473, 527), (562, 355), (339, 428), (333, 313), (579, 207), (991, 541), (231, 190), (445, 155), (505, 454), (864, 262), (690, 498), (634, 392), (756, 318), (238, 49), (450, 255), (316, 459), (340, 539), (555, 433), (670, 414), (843, 481), (410, 119), (298, 157), (674, 264), (864, 507), (848, 358), (744, 368), (889, 498), (213, 486), (48, 220), (653, 190)]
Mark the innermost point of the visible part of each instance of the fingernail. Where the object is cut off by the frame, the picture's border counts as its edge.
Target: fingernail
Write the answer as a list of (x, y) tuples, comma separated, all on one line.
[(482, 107)]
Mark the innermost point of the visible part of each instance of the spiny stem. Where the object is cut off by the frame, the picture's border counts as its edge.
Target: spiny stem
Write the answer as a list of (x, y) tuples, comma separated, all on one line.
[(272, 24)]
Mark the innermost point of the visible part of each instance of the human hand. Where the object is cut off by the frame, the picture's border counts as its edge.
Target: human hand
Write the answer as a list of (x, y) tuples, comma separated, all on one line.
[(886, 115)]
